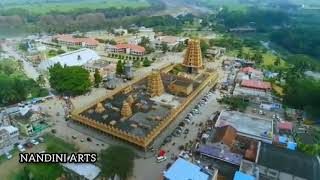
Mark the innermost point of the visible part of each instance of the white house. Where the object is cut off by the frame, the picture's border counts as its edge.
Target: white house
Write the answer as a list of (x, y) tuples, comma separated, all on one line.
[(74, 58), (9, 135)]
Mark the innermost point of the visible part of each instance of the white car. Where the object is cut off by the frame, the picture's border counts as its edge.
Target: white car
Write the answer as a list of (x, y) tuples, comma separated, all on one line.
[(34, 142), (21, 148), (161, 158), (184, 155), (8, 155)]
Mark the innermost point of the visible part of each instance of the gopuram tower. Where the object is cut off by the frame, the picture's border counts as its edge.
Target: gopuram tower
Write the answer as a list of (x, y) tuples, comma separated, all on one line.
[(155, 85), (193, 58), (126, 111)]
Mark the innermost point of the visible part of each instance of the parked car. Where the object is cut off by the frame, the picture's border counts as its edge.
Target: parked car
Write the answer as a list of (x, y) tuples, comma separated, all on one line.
[(184, 155), (167, 139), (29, 145), (8, 155), (179, 129), (161, 158), (188, 121), (21, 148), (41, 139), (35, 142)]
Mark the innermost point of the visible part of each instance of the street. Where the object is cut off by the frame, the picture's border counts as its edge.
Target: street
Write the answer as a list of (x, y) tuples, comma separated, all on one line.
[(30, 71)]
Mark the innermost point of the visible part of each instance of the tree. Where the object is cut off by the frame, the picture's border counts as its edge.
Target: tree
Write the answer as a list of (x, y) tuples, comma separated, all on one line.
[(41, 80), (14, 85), (72, 80), (164, 47), (144, 41), (257, 57), (146, 62), (23, 46), (304, 94), (97, 78), (117, 160), (277, 61), (204, 46), (60, 51), (120, 67), (240, 54)]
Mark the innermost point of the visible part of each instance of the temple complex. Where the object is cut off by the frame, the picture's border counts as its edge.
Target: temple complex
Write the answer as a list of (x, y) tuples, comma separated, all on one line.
[(142, 110), (155, 85), (193, 57)]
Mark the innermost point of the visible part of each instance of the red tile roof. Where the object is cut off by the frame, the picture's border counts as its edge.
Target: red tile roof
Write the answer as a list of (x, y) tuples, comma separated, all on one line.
[(226, 134), (71, 39), (285, 125), (256, 84), (133, 47)]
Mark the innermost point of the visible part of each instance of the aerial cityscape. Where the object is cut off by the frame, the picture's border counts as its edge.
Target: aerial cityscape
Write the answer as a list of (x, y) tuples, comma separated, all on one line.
[(159, 90)]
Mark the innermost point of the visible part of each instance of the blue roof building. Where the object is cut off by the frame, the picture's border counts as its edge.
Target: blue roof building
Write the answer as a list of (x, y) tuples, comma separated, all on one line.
[(242, 176), (185, 170)]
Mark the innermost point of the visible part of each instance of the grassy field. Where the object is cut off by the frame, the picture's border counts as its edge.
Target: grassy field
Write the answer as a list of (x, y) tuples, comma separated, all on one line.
[(43, 8), (268, 57)]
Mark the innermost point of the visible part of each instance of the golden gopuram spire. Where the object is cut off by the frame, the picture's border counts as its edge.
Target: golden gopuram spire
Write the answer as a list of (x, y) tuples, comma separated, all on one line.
[(155, 85), (193, 57), (126, 111), (99, 108), (130, 100)]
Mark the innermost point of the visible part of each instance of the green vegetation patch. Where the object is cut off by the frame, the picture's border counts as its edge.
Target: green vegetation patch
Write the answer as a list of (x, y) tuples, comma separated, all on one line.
[(57, 145), (44, 8), (117, 160)]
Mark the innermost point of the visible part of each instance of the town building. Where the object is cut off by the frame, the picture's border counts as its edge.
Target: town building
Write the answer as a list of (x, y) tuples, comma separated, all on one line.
[(69, 40), (242, 176), (103, 67), (181, 87), (146, 32), (130, 49), (73, 58), (228, 146), (9, 136), (254, 91), (171, 41), (121, 31), (185, 170), (215, 52), (249, 73), (83, 171), (247, 125), (257, 85), (278, 163)]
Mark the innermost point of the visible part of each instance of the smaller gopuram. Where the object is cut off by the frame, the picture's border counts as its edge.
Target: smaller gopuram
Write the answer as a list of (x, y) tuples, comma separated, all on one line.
[(126, 111), (100, 108), (130, 100), (193, 58), (155, 84)]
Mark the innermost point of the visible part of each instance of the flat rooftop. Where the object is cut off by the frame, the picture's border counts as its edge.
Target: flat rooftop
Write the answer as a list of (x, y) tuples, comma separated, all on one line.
[(247, 125), (216, 152), (288, 161), (183, 170)]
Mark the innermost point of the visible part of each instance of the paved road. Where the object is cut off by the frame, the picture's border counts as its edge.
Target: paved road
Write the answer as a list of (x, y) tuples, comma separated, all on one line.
[(30, 71)]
